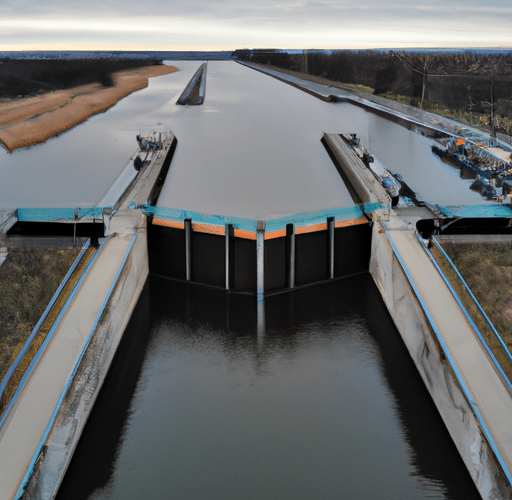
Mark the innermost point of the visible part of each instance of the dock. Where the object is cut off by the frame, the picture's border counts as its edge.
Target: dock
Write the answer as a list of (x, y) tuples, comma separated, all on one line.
[(44, 419)]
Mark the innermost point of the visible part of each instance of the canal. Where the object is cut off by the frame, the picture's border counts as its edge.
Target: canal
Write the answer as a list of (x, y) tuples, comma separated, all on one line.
[(205, 401), (251, 150), (323, 402)]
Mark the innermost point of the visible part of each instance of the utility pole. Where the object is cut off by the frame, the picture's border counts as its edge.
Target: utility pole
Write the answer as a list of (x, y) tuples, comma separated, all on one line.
[(493, 114), (424, 81)]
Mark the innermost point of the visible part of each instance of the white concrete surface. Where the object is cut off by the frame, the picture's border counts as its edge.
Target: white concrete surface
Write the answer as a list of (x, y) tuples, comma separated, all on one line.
[(21, 434), (486, 391), (88, 381)]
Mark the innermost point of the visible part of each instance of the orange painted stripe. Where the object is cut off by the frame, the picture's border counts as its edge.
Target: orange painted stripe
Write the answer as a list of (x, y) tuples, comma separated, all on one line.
[(251, 235), (351, 222), (242, 233), (168, 223), (311, 229), (201, 227), (279, 233)]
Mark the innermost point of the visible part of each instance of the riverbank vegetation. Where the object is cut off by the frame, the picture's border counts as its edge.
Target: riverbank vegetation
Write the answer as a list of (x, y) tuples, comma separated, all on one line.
[(29, 278), (33, 119), (30, 77), (474, 87), (487, 269)]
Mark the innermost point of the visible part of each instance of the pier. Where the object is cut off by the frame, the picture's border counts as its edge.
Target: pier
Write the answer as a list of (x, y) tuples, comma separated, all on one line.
[(249, 222)]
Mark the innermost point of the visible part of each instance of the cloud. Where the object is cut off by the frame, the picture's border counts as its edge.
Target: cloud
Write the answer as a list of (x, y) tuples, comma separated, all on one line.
[(256, 23)]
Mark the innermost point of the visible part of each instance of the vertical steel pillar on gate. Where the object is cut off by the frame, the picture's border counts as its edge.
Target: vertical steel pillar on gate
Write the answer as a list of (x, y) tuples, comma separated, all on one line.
[(229, 256), (330, 229), (290, 247), (260, 278), (188, 249)]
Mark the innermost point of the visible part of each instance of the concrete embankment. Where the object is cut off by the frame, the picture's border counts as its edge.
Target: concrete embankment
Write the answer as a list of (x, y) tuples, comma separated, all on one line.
[(470, 395), (44, 421), (32, 120), (354, 172), (194, 92), (467, 384)]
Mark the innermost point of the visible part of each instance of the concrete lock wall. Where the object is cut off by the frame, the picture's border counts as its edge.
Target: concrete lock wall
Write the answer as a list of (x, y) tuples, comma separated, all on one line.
[(88, 379), (435, 369)]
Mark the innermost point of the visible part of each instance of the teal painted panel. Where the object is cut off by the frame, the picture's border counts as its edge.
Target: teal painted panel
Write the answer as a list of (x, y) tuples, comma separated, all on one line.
[(177, 214), (302, 219), (476, 211), (57, 213)]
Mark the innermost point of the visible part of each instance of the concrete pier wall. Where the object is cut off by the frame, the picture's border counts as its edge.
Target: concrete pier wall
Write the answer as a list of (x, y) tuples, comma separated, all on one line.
[(194, 92), (435, 365), (89, 374), (40, 434)]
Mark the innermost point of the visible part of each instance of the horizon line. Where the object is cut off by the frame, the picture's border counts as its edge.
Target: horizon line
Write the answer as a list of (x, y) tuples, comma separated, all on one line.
[(218, 48)]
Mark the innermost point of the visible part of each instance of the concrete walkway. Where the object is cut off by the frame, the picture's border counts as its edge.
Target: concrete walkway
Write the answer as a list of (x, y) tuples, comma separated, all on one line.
[(23, 433), (484, 385)]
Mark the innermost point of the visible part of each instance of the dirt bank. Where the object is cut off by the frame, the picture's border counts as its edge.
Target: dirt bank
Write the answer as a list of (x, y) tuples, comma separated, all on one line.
[(32, 120)]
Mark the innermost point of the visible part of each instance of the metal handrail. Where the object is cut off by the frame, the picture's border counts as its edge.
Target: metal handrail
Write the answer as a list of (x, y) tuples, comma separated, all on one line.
[(458, 375), (99, 314), (48, 337), (35, 330), (475, 300), (489, 351)]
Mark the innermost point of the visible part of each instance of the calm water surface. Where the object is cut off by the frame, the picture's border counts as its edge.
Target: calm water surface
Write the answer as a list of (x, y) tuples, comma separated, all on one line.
[(252, 150), (324, 402)]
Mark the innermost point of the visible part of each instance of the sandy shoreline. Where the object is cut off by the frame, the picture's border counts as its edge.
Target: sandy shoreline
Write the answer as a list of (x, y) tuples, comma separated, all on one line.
[(32, 120)]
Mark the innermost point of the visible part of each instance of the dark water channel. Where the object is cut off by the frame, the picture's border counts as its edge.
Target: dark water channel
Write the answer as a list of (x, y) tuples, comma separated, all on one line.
[(323, 402)]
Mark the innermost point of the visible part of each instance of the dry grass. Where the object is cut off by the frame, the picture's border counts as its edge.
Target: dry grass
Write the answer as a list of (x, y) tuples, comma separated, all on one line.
[(32, 120), (29, 278), (487, 269)]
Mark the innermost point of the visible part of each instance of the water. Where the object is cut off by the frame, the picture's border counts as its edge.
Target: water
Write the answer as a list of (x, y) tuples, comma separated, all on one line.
[(77, 167), (202, 402), (325, 402), (252, 150)]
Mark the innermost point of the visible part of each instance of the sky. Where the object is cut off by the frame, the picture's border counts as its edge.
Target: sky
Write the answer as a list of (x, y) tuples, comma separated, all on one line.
[(229, 24)]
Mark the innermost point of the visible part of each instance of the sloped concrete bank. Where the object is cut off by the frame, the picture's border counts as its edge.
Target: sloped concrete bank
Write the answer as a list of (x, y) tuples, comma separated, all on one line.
[(194, 92), (468, 385), (470, 397), (41, 431), (90, 371)]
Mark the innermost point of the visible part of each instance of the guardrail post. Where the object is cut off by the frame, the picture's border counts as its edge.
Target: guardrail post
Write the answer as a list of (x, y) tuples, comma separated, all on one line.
[(188, 249), (74, 226)]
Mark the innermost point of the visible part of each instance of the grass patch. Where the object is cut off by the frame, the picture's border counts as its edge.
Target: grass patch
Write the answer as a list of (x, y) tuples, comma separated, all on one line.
[(487, 269), (29, 278)]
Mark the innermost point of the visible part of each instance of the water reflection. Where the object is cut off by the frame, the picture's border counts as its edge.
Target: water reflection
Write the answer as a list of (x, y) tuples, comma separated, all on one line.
[(252, 150), (327, 405)]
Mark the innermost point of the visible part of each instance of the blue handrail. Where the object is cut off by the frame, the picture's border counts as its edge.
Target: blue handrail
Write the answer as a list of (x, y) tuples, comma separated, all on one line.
[(475, 300), (49, 336), (31, 337), (100, 312), (449, 357)]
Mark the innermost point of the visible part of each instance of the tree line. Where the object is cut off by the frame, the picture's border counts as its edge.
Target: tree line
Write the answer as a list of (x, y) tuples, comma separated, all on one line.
[(478, 84)]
